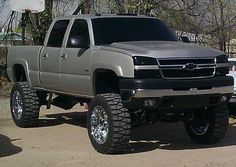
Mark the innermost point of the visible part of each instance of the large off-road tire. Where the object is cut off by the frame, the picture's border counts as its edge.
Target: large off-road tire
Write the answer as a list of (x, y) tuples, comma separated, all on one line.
[(25, 105), (232, 109), (108, 124), (207, 126)]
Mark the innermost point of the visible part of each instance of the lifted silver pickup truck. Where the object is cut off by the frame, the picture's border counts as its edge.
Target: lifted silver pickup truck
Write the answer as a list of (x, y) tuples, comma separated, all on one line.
[(130, 70)]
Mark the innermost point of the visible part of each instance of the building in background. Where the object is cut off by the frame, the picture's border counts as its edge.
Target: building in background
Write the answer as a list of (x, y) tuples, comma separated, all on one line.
[(231, 48)]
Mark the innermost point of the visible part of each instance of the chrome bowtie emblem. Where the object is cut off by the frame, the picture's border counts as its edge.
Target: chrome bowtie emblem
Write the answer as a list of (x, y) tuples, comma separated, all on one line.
[(190, 66)]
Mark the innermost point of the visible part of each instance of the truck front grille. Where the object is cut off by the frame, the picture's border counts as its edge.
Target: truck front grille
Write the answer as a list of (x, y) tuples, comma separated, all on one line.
[(187, 68)]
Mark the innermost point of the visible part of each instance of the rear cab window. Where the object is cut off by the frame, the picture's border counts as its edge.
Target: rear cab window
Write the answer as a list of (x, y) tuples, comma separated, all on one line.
[(57, 33)]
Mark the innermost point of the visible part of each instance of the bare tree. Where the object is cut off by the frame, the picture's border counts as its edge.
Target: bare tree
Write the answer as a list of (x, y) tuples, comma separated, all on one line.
[(84, 7), (64, 7), (221, 19), (216, 18), (2, 5), (40, 23)]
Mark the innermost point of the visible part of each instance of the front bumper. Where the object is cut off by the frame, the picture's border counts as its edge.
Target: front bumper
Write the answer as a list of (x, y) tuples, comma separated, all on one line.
[(177, 93), (144, 93)]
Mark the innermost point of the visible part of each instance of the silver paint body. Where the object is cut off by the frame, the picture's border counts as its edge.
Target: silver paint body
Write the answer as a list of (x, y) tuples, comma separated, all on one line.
[(61, 70)]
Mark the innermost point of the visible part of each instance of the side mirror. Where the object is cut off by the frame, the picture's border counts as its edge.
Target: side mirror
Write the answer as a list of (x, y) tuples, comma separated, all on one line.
[(78, 42), (185, 39)]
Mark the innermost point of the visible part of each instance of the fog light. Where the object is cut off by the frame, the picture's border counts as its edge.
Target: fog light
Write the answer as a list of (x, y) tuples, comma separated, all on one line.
[(224, 98), (149, 103)]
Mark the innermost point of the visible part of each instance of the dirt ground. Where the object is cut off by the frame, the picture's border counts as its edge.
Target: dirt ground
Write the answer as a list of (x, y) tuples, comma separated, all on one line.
[(5, 87), (61, 140)]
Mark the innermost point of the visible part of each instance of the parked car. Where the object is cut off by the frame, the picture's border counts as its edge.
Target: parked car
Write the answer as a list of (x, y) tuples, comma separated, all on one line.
[(232, 72)]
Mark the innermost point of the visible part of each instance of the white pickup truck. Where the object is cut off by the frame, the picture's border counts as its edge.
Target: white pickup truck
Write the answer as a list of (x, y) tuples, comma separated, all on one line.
[(130, 70)]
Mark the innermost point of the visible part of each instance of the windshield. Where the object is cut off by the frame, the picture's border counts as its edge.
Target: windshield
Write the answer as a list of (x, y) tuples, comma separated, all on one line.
[(110, 30)]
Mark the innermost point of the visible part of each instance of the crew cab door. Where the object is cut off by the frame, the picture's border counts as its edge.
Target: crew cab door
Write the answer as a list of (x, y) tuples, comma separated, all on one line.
[(74, 64), (50, 56)]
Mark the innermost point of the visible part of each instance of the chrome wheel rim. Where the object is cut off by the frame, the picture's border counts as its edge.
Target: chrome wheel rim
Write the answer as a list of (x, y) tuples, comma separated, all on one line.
[(200, 130), (99, 124), (199, 123), (17, 105)]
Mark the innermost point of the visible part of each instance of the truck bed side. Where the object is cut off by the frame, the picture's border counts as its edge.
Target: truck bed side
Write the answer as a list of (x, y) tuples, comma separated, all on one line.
[(26, 57)]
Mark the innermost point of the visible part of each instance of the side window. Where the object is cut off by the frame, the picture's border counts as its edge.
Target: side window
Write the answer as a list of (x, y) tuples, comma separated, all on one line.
[(79, 30), (57, 34)]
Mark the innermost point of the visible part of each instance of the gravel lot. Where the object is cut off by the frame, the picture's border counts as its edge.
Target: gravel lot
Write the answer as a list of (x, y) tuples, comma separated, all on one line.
[(61, 140)]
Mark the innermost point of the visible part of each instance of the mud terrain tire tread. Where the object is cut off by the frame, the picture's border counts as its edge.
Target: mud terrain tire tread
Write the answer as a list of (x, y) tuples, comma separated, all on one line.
[(31, 105), (218, 120), (119, 124)]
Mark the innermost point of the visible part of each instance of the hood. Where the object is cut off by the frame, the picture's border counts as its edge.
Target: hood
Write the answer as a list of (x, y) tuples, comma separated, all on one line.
[(164, 49)]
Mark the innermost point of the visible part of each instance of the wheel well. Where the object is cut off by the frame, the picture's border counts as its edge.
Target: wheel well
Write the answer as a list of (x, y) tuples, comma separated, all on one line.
[(105, 81), (19, 73)]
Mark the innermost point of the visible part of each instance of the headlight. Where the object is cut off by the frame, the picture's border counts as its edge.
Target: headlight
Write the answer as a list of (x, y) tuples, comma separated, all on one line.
[(221, 65), (222, 59), (145, 73), (222, 71), (139, 60)]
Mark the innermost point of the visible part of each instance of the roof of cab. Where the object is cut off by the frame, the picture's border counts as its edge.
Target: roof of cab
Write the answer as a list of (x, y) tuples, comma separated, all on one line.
[(93, 16)]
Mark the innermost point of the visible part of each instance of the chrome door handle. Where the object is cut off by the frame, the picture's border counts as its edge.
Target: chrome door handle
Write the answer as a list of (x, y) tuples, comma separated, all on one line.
[(45, 56), (64, 56)]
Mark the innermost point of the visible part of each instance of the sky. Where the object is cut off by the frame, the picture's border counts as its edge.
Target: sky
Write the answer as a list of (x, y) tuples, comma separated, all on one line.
[(4, 14)]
